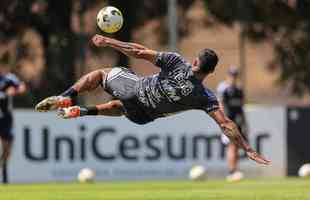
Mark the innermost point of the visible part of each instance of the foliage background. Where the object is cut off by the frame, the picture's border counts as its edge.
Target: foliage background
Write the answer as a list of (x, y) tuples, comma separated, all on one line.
[(47, 42)]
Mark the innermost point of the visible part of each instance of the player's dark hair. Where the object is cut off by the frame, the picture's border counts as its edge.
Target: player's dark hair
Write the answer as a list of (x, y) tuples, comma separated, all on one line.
[(208, 60)]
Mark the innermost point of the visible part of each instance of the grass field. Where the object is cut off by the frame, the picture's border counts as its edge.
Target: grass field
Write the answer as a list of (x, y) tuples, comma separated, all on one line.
[(284, 189)]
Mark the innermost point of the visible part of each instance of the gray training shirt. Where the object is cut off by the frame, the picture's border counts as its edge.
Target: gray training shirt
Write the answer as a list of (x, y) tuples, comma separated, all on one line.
[(174, 89)]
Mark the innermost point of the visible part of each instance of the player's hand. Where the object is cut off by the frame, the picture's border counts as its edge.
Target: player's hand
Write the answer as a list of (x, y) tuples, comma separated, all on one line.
[(253, 155), (70, 112), (99, 40)]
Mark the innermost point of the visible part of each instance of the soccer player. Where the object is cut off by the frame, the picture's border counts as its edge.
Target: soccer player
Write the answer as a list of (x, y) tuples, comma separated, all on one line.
[(178, 87), (232, 99), (10, 86)]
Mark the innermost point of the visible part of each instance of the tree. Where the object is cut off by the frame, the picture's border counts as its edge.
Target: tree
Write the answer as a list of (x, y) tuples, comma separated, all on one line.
[(52, 19), (283, 23), (137, 13)]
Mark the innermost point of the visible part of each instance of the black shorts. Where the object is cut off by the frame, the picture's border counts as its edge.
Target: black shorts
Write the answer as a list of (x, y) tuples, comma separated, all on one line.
[(239, 122), (6, 124), (241, 126), (123, 84)]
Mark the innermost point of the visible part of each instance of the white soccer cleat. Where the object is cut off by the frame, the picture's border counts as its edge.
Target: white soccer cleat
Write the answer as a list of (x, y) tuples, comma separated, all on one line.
[(235, 177), (70, 112), (53, 103)]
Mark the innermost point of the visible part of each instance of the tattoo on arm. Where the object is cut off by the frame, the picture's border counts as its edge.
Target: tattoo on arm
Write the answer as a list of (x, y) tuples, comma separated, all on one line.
[(231, 131), (133, 50)]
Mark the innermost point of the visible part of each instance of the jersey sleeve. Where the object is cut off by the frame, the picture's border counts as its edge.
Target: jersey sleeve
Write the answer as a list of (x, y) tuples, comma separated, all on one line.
[(169, 60), (13, 80), (211, 103)]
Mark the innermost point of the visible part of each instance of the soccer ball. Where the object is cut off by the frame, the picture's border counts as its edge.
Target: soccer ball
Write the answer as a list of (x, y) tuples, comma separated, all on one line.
[(86, 175), (110, 19), (304, 170), (198, 173)]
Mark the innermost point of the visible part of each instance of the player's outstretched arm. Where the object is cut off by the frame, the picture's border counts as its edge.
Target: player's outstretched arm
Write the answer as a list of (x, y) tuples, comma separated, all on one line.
[(230, 129), (129, 49)]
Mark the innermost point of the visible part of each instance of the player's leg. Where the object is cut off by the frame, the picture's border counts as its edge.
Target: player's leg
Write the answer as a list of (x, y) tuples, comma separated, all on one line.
[(87, 83), (113, 108), (1, 152), (232, 157), (6, 145), (6, 137), (6, 150)]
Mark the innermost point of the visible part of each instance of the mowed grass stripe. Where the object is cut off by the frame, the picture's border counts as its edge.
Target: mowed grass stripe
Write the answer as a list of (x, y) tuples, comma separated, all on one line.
[(280, 189)]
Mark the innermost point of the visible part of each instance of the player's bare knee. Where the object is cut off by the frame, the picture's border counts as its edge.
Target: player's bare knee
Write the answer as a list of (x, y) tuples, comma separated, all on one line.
[(93, 79), (104, 72), (98, 74)]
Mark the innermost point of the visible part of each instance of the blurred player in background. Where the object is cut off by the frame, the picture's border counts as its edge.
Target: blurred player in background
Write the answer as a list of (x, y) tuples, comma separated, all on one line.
[(10, 86), (231, 98)]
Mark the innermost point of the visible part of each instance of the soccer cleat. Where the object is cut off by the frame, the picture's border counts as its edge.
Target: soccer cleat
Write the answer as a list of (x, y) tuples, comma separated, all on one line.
[(235, 177), (53, 103), (70, 112)]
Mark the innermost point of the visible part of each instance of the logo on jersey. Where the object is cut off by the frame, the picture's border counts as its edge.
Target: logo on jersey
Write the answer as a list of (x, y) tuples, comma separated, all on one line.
[(174, 86), (179, 83)]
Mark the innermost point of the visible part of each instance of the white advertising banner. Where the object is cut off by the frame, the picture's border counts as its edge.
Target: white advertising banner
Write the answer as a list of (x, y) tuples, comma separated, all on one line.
[(50, 149)]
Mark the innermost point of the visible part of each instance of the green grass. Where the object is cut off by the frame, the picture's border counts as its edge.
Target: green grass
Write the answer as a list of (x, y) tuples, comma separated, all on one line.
[(280, 189)]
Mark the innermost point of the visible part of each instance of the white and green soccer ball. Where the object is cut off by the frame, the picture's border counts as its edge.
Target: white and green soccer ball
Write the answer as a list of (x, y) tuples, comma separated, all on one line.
[(86, 175), (198, 173), (110, 19), (304, 170)]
